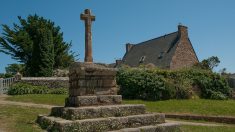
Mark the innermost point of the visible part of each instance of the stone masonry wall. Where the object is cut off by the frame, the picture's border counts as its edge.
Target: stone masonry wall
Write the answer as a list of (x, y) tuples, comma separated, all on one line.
[(184, 55), (51, 82), (231, 82)]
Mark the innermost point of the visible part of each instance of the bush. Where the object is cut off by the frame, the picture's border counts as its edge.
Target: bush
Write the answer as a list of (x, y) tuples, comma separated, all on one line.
[(24, 88), (144, 84), (40, 90), (214, 87), (157, 84), (59, 91), (20, 88)]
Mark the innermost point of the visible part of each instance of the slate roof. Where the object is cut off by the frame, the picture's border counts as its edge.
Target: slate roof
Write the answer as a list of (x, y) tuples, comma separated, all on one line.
[(158, 51)]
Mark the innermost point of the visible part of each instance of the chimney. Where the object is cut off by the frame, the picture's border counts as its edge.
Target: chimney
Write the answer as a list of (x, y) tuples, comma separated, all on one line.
[(183, 31), (128, 47), (118, 62)]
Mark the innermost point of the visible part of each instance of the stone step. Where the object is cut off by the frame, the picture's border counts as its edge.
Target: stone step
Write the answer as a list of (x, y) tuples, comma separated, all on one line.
[(78, 113), (164, 127), (99, 124), (78, 101)]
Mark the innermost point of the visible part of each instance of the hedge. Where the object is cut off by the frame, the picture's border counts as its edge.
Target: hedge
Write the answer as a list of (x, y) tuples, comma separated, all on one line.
[(157, 84), (24, 88)]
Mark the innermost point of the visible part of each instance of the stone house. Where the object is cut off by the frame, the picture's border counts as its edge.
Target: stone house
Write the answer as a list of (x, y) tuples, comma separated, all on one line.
[(231, 81), (171, 51)]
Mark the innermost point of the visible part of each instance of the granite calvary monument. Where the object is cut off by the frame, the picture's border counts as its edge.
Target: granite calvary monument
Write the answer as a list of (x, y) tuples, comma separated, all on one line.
[(93, 104), (88, 18)]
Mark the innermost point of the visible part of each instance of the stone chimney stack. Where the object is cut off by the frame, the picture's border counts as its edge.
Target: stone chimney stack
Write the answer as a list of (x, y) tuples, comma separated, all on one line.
[(118, 62), (128, 47), (183, 31)]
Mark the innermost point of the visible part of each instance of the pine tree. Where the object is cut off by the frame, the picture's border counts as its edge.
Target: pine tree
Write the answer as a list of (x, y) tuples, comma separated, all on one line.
[(20, 41), (43, 54)]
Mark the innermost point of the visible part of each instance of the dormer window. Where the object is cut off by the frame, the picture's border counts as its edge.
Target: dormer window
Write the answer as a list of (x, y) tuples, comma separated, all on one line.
[(160, 55), (142, 59)]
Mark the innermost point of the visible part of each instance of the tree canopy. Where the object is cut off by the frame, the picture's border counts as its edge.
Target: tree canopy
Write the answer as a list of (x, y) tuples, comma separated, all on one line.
[(209, 63), (20, 42), (12, 69)]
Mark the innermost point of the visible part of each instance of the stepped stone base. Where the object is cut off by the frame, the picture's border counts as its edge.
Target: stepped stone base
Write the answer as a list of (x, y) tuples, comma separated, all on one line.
[(103, 118), (78, 113), (93, 106), (164, 127), (78, 101), (99, 124)]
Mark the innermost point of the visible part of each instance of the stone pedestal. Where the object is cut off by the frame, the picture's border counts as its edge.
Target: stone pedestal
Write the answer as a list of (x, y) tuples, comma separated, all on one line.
[(90, 84), (91, 79), (94, 106)]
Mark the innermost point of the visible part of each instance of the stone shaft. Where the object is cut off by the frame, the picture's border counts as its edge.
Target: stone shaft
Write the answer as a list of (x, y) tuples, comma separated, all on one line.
[(88, 18)]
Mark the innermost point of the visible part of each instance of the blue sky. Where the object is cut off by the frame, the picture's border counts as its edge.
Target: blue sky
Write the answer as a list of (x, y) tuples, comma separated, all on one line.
[(211, 24)]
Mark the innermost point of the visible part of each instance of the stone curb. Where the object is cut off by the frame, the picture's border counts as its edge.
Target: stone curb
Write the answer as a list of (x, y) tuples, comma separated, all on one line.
[(219, 119)]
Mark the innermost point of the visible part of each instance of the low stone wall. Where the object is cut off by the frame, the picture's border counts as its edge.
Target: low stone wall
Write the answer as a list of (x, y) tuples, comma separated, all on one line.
[(51, 82)]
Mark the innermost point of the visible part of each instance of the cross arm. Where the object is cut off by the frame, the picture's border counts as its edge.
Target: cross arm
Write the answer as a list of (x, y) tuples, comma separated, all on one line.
[(87, 16)]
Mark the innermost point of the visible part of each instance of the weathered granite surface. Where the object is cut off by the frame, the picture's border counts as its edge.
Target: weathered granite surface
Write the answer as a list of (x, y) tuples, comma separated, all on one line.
[(164, 127), (100, 124), (94, 106), (91, 79), (78, 113), (78, 101)]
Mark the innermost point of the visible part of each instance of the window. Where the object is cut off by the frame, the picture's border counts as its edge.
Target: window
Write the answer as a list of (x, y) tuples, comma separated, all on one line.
[(161, 55), (142, 59)]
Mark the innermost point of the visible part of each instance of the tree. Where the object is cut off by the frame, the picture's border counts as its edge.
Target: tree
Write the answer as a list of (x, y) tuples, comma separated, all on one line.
[(20, 40), (209, 63), (14, 68), (43, 54)]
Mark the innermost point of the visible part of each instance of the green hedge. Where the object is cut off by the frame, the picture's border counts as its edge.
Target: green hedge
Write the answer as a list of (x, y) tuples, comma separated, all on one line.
[(24, 88), (157, 84)]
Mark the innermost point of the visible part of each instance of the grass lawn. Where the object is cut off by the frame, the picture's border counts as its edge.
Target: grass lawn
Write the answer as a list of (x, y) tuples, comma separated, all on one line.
[(51, 99), (187, 128), (196, 106), (22, 119), (19, 119), (192, 106)]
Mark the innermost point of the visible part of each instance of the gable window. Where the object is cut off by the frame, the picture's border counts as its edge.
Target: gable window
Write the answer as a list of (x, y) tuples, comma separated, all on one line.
[(142, 59)]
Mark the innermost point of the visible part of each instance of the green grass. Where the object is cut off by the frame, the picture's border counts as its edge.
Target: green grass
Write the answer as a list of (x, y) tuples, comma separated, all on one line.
[(196, 106), (187, 128), (51, 99), (193, 106), (20, 119), (17, 119)]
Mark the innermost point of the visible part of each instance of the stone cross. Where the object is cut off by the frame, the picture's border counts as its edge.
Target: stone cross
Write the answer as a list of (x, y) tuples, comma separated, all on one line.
[(88, 18)]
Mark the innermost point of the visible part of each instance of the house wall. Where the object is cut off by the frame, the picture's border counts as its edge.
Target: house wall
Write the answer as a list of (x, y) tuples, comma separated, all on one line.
[(231, 81), (184, 55)]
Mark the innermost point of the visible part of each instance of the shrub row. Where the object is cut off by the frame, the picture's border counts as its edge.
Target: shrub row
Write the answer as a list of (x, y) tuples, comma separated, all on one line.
[(24, 88), (157, 84)]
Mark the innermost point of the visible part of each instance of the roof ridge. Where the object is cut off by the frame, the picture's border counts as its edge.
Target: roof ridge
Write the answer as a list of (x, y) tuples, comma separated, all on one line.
[(155, 38)]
